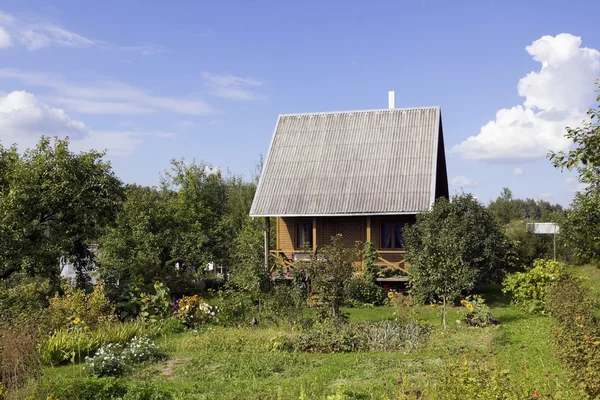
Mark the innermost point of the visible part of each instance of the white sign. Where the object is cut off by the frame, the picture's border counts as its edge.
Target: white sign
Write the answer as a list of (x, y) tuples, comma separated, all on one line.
[(543, 228)]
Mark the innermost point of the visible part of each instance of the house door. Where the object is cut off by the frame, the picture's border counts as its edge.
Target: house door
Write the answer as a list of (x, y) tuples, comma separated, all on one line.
[(351, 230)]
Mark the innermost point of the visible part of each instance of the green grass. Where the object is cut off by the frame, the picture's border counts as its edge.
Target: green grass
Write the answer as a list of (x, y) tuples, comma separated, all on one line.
[(238, 363)]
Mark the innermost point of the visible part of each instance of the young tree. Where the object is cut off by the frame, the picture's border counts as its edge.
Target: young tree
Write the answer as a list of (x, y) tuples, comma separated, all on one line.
[(452, 248), (53, 203), (580, 228), (329, 272)]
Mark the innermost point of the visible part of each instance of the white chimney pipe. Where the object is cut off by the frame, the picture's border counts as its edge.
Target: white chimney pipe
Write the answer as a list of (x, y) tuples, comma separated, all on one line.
[(391, 99)]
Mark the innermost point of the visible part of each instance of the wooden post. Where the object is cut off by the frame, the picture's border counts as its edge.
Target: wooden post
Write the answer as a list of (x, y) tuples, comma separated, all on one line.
[(314, 234), (368, 229), (267, 242)]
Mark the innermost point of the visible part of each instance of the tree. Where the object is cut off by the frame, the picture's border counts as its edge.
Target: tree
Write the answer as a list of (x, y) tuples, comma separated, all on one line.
[(329, 272), (53, 204), (581, 227), (452, 248)]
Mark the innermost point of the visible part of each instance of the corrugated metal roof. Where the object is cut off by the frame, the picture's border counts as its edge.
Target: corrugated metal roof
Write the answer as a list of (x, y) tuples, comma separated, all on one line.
[(353, 162)]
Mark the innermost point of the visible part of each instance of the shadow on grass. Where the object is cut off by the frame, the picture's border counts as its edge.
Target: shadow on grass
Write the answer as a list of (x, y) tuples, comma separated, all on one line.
[(492, 293)]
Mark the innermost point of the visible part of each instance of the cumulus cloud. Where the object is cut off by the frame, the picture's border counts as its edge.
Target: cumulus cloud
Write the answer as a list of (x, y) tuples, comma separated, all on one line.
[(232, 87), (107, 97), (463, 181), (24, 119), (5, 39), (556, 96), (518, 171)]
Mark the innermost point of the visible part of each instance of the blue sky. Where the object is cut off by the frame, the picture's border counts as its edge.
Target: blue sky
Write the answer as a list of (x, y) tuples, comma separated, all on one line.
[(151, 81)]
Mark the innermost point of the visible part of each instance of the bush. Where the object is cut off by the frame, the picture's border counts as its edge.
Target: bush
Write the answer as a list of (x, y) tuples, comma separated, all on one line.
[(171, 325), (478, 314), (577, 336), (67, 345), (332, 337), (235, 308), (155, 307), (22, 299), (192, 311), (361, 290), (528, 289), (285, 304), (19, 360), (113, 359), (108, 360), (94, 308), (85, 389)]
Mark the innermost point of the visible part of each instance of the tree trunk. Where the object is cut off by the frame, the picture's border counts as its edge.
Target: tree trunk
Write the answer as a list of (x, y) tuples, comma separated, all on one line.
[(444, 312)]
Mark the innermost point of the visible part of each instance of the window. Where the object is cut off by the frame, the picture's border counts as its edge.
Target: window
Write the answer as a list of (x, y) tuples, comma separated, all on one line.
[(391, 235), (303, 235)]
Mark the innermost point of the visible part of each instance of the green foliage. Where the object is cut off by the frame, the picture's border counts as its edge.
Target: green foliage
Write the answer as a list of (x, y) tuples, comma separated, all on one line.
[(43, 195), (506, 209), (452, 248), (68, 345), (157, 306), (478, 313), (332, 337), (84, 389), (369, 259), (577, 334), (581, 226), (235, 308), (360, 291), (528, 289), (285, 304), (93, 307), (330, 271), (22, 298), (171, 326), (248, 273), (192, 311), (114, 359)]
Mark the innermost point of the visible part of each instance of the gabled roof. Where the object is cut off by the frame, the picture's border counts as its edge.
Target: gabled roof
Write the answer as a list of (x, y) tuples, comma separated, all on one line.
[(353, 163)]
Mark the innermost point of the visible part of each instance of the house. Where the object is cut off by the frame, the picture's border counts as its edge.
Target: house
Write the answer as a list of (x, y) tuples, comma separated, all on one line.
[(365, 174)]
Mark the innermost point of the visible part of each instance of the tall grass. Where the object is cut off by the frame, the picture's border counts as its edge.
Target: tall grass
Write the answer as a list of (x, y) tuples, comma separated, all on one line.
[(65, 345)]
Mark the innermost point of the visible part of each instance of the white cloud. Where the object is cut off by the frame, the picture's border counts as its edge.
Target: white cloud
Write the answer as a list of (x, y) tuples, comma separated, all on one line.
[(518, 171), (35, 35), (5, 39), (107, 97), (570, 180), (24, 119), (463, 181), (556, 96), (232, 87)]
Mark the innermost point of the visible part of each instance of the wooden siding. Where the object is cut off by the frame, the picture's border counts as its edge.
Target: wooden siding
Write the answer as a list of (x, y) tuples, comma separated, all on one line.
[(352, 229)]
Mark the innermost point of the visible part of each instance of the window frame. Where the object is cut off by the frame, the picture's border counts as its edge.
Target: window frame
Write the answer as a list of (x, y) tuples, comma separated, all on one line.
[(394, 225), (309, 240)]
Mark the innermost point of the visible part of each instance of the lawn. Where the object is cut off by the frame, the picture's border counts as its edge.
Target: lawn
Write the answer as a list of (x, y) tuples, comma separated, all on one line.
[(239, 363)]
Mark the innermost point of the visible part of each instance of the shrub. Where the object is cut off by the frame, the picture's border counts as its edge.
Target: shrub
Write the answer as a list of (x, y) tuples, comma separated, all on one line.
[(155, 306), (141, 349), (577, 336), (113, 359), (285, 304), (91, 388), (172, 325), (478, 313), (235, 308), (361, 290), (67, 345), (332, 337), (94, 308), (19, 360), (108, 360), (191, 311), (403, 306), (22, 299), (528, 289)]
